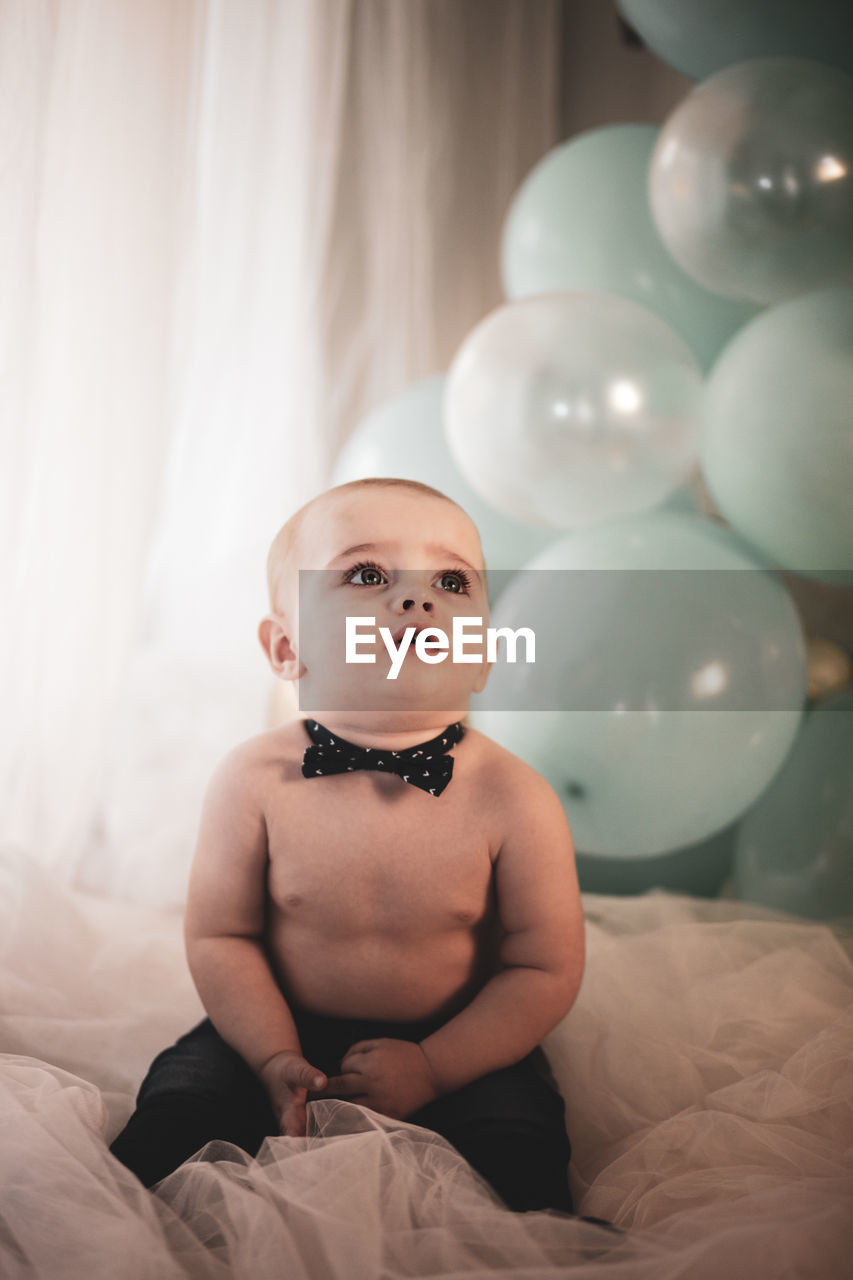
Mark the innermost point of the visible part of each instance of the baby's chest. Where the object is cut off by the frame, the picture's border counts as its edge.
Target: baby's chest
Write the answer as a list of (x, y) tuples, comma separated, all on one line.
[(382, 863)]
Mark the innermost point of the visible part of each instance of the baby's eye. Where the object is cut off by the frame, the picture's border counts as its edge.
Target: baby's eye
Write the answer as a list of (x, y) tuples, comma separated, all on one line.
[(457, 581), (372, 575)]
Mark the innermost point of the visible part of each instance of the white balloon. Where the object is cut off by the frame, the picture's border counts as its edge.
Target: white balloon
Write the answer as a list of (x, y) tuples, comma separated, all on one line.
[(569, 409), (403, 437)]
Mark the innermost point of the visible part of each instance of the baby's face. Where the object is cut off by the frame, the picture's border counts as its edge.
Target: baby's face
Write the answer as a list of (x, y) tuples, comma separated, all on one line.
[(405, 559)]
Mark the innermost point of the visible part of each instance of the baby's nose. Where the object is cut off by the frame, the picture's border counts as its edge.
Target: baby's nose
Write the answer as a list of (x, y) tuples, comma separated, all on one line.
[(412, 593)]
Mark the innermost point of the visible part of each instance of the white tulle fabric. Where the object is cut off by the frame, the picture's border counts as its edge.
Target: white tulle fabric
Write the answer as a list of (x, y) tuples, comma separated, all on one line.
[(706, 1067)]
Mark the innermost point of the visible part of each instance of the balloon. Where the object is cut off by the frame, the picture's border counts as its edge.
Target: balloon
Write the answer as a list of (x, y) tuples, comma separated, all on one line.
[(660, 703), (751, 180), (683, 499), (777, 442), (701, 869), (572, 408), (404, 438), (794, 849), (699, 37), (581, 220)]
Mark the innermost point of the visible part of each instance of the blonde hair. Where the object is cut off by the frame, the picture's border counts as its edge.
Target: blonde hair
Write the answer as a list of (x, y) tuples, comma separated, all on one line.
[(284, 543)]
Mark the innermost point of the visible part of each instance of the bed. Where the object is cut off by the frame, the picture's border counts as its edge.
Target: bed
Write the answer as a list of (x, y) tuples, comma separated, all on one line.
[(706, 1066)]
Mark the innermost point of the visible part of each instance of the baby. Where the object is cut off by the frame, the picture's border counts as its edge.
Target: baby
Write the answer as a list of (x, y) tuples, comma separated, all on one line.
[(400, 925)]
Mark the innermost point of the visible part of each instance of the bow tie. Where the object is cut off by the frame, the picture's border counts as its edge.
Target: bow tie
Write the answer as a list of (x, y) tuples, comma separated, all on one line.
[(425, 766)]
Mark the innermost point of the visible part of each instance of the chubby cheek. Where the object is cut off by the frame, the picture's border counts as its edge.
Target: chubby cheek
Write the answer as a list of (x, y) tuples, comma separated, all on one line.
[(322, 631)]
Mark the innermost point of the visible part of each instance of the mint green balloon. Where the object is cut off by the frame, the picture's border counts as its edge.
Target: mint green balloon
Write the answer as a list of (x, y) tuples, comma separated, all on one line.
[(699, 37), (404, 437), (794, 848), (751, 180), (581, 220), (682, 500), (700, 869), (697, 692), (777, 438)]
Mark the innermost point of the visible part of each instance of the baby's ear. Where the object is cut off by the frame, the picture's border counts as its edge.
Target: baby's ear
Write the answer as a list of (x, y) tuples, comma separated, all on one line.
[(482, 676), (275, 642)]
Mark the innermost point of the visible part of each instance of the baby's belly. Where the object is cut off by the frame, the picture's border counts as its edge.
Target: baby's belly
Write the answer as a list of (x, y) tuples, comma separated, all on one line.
[(382, 978)]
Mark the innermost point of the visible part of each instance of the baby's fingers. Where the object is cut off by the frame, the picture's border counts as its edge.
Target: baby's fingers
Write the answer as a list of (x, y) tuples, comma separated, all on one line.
[(344, 1086), (292, 1117), (293, 1123), (300, 1074)]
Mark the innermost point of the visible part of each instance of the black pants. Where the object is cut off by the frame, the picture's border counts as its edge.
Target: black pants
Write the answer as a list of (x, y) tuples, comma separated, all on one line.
[(509, 1125)]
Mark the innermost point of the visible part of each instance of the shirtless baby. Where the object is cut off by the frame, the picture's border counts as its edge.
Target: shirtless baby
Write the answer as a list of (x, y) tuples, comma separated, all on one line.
[(361, 934)]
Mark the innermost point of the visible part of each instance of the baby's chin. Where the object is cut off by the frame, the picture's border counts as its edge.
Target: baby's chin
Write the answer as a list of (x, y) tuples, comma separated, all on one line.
[(413, 691)]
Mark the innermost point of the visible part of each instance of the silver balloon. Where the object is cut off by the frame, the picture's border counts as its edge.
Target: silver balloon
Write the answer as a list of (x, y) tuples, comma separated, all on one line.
[(751, 180), (569, 409)]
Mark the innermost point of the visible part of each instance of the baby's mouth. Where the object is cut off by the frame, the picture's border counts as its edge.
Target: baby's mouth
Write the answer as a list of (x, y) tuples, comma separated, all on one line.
[(398, 635)]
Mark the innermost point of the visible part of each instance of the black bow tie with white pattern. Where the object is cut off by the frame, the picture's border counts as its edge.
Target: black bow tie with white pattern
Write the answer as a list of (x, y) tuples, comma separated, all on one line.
[(425, 766)]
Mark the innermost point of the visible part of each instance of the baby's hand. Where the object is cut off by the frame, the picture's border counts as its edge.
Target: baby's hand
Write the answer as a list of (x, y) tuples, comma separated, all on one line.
[(287, 1078), (389, 1076)]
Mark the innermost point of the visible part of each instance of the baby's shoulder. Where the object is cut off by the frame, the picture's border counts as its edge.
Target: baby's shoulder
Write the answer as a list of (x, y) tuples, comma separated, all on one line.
[(519, 799), (288, 736), (506, 774), (271, 749)]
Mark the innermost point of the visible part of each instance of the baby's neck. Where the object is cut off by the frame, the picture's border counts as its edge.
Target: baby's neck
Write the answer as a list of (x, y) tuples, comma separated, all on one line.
[(394, 730)]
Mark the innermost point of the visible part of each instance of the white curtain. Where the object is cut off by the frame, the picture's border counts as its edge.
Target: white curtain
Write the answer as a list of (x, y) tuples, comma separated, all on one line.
[(228, 228)]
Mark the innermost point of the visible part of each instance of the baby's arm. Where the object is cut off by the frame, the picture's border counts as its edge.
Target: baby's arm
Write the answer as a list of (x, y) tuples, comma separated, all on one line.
[(223, 929), (542, 953)]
